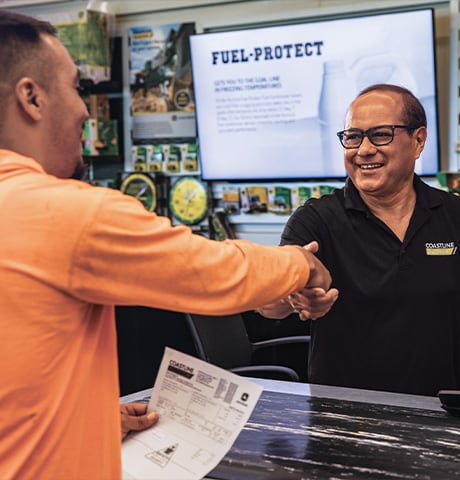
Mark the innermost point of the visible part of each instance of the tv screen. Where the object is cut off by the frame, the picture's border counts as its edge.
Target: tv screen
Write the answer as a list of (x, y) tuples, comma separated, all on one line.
[(270, 100)]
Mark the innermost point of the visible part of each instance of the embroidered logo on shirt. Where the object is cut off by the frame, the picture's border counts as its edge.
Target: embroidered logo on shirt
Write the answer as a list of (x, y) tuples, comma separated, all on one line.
[(442, 249)]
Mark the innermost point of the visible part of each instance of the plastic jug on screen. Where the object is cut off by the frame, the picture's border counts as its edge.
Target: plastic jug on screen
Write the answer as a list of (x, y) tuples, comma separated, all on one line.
[(337, 91)]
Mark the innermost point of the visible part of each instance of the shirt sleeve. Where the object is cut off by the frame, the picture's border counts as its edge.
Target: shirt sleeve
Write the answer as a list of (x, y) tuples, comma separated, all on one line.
[(128, 256)]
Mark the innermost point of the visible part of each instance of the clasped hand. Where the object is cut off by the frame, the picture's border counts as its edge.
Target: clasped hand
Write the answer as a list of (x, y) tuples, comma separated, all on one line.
[(312, 302)]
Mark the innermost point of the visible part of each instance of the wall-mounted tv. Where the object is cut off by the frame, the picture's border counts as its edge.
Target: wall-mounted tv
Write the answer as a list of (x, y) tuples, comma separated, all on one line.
[(270, 100)]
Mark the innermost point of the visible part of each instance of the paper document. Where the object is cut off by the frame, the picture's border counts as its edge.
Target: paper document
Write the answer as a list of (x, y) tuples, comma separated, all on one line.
[(202, 410)]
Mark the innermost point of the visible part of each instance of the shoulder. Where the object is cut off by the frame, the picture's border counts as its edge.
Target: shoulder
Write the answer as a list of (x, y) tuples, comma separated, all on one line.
[(431, 197), (74, 194), (312, 220), (82, 203)]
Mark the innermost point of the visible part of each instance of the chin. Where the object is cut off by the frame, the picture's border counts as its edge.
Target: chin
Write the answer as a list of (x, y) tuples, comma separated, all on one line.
[(366, 184)]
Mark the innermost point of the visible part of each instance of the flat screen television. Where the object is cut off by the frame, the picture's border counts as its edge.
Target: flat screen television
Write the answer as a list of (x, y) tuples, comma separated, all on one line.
[(270, 100)]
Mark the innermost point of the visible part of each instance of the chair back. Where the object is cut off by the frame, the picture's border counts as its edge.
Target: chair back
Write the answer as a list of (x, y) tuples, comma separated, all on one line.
[(221, 340)]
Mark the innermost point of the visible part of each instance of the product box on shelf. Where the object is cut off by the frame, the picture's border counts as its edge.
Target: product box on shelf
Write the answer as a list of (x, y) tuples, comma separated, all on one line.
[(299, 195), (173, 158), (98, 105), (168, 158), (100, 137), (254, 199), (156, 159), (279, 200), (147, 158), (189, 157), (325, 189), (138, 159), (85, 34), (230, 199)]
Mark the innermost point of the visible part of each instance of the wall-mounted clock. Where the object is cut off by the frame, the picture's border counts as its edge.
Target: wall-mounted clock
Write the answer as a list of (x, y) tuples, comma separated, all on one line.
[(141, 186), (188, 200)]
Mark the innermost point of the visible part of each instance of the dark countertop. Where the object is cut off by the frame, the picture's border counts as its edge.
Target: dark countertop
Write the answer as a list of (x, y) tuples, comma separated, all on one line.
[(300, 431), (293, 437)]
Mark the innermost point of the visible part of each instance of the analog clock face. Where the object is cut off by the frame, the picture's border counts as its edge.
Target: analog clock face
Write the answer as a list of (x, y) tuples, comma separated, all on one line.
[(142, 187), (188, 200)]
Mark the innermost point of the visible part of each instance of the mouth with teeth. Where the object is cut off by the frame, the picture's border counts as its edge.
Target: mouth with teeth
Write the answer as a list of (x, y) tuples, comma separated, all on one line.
[(370, 166)]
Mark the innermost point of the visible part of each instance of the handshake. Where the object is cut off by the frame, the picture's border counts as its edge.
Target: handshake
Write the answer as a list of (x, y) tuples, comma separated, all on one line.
[(313, 301)]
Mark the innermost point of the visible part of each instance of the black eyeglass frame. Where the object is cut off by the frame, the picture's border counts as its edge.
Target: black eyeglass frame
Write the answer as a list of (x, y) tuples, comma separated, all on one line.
[(365, 133)]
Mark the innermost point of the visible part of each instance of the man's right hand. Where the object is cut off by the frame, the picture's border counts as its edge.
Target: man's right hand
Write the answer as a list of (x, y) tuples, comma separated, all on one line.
[(314, 301), (319, 274)]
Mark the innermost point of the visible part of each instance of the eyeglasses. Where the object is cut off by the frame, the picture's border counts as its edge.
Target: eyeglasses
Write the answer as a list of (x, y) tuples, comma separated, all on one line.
[(378, 136)]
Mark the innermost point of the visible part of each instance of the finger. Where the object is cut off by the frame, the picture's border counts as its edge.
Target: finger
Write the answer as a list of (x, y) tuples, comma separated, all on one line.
[(323, 300), (134, 408), (333, 295), (319, 307), (312, 292), (304, 315)]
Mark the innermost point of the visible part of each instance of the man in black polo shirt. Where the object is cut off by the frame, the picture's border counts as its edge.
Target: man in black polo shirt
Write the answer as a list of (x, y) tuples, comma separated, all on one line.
[(391, 244)]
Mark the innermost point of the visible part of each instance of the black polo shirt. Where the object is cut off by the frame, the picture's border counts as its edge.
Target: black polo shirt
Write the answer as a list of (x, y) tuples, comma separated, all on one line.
[(396, 323)]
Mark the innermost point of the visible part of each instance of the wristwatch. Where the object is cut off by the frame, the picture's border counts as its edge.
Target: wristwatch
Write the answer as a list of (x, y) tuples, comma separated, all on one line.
[(188, 200)]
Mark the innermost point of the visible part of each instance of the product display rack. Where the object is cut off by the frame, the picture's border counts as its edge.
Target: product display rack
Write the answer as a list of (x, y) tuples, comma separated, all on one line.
[(102, 167)]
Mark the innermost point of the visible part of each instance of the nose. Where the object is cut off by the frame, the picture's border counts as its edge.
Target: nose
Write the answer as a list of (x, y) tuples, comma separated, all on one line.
[(366, 147), (85, 113)]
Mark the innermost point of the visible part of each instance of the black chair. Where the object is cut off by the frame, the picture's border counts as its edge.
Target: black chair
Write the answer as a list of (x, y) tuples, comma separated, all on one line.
[(142, 334), (224, 341)]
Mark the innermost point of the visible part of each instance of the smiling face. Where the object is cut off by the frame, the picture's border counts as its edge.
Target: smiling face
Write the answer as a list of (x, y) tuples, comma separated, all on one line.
[(382, 171)]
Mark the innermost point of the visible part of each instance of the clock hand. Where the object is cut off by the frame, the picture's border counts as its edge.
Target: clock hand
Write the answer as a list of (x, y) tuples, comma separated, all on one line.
[(141, 191), (190, 196)]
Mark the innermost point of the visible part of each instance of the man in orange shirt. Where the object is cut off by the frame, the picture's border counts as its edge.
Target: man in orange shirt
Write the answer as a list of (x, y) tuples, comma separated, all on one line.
[(70, 252)]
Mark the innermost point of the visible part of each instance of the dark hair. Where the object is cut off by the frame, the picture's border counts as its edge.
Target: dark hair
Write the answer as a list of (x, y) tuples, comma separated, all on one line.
[(21, 50), (413, 111)]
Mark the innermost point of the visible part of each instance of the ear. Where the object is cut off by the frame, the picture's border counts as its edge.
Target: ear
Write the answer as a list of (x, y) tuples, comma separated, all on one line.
[(420, 136), (30, 97)]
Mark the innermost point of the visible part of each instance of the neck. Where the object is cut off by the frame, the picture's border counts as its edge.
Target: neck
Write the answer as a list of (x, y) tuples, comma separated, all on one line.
[(394, 210)]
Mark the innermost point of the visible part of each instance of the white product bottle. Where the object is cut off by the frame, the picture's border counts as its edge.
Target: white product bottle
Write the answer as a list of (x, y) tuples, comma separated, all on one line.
[(337, 92)]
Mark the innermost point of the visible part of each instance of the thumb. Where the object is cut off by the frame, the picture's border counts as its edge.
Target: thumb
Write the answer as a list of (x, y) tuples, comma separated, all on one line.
[(312, 247), (136, 423), (144, 421)]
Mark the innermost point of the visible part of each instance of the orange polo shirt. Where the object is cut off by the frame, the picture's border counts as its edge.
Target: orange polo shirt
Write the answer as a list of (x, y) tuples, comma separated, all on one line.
[(69, 252)]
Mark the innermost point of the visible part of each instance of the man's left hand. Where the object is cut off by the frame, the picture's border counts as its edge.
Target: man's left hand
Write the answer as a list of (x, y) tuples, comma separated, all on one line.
[(134, 416)]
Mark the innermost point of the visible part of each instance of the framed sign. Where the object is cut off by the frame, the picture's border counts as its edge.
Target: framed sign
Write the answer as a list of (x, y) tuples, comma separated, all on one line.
[(162, 99)]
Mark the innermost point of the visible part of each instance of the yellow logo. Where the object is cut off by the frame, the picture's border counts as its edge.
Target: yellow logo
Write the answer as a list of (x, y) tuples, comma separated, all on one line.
[(441, 249)]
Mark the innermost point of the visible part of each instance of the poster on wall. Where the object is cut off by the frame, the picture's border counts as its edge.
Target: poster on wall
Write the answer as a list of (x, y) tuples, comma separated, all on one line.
[(162, 99)]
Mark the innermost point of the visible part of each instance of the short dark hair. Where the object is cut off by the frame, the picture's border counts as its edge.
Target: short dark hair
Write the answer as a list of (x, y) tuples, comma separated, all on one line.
[(414, 113), (21, 50)]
